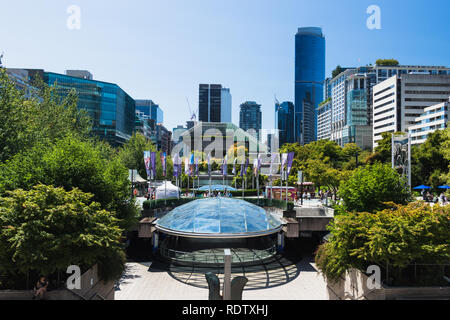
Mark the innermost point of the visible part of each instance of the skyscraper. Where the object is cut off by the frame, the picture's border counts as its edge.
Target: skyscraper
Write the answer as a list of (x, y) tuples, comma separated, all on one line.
[(284, 122), (214, 103), (309, 78), (250, 117)]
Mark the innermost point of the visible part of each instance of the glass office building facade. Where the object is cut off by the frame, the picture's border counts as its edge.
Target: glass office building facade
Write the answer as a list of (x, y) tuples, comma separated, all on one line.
[(284, 122), (210, 102), (111, 109), (150, 110), (250, 118), (309, 78)]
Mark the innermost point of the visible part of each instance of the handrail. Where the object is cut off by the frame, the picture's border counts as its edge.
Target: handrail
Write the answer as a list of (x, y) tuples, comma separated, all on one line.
[(214, 257)]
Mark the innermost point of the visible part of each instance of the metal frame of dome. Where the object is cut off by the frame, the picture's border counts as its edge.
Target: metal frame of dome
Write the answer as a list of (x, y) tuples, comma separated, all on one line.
[(221, 235)]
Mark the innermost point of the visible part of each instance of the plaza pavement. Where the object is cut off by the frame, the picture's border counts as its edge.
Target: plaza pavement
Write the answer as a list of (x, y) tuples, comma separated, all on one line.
[(280, 280)]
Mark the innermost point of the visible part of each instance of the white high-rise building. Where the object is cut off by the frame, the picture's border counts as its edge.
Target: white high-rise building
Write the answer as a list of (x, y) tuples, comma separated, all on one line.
[(399, 100), (433, 118)]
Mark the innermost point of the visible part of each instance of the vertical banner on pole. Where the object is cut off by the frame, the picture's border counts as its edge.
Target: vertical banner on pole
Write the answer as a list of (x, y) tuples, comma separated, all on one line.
[(153, 168), (186, 171), (234, 172), (290, 160), (284, 157), (209, 172), (401, 155), (224, 171), (164, 172)]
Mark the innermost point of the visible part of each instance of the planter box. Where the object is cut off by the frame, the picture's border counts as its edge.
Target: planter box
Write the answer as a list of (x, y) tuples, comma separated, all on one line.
[(354, 287)]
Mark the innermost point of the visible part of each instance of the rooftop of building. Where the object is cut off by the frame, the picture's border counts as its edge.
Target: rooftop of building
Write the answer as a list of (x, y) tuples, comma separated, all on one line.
[(316, 31)]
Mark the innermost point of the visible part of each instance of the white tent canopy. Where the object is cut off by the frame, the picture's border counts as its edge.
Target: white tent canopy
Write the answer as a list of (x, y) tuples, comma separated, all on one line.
[(134, 177), (167, 192)]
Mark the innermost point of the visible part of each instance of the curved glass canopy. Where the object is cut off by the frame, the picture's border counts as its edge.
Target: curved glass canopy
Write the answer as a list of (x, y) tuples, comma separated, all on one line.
[(216, 187), (219, 218)]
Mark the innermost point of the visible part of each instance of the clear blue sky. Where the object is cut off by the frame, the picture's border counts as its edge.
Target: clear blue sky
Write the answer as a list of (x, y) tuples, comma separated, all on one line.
[(162, 49)]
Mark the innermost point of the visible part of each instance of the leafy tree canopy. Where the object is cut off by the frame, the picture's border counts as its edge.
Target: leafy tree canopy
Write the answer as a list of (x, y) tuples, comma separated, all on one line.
[(369, 187), (47, 229), (387, 62)]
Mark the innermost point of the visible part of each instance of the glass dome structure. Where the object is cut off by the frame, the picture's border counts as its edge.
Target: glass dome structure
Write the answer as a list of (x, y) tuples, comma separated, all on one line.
[(219, 218)]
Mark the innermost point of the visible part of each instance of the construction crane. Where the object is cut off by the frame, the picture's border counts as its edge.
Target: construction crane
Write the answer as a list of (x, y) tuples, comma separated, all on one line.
[(193, 115)]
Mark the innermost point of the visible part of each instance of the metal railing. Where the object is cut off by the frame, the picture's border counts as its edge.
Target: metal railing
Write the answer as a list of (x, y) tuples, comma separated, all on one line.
[(216, 256)]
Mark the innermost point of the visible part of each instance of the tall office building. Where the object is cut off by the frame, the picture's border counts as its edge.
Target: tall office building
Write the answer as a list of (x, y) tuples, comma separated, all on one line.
[(250, 117), (309, 81), (284, 122), (214, 103), (401, 99), (150, 110), (111, 108), (358, 113), (225, 106), (324, 120)]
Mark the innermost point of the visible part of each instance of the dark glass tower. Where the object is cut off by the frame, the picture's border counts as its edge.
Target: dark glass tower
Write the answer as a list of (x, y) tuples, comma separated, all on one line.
[(284, 122), (209, 102), (250, 117), (309, 78)]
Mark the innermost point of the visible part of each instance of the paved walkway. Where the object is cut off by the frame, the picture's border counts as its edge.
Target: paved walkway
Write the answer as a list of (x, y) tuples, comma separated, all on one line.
[(281, 280)]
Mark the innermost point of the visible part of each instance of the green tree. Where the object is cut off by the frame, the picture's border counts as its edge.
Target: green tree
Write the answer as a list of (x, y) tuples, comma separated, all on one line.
[(337, 71), (47, 229), (132, 153), (74, 163), (369, 187), (25, 122), (387, 62), (430, 160)]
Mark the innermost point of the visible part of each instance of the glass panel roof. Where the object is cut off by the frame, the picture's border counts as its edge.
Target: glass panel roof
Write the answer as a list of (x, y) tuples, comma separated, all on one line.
[(215, 216)]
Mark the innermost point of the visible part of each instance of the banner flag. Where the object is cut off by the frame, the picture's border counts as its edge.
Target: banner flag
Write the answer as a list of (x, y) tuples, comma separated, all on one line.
[(196, 167), (147, 163), (209, 163), (234, 166), (163, 163), (176, 166), (224, 166), (186, 166), (284, 157), (153, 164), (289, 162), (272, 161), (191, 165)]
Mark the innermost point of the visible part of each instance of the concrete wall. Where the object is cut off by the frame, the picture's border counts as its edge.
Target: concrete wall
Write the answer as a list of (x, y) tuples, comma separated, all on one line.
[(91, 289)]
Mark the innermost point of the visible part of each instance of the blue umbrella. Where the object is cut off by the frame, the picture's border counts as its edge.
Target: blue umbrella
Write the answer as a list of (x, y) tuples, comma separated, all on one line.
[(421, 187), (444, 187)]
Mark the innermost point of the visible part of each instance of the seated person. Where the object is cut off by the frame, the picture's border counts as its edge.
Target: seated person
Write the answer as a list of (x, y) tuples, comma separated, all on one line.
[(41, 288)]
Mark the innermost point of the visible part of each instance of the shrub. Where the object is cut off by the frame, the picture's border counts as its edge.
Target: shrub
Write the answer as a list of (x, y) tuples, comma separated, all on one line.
[(48, 229), (397, 236)]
